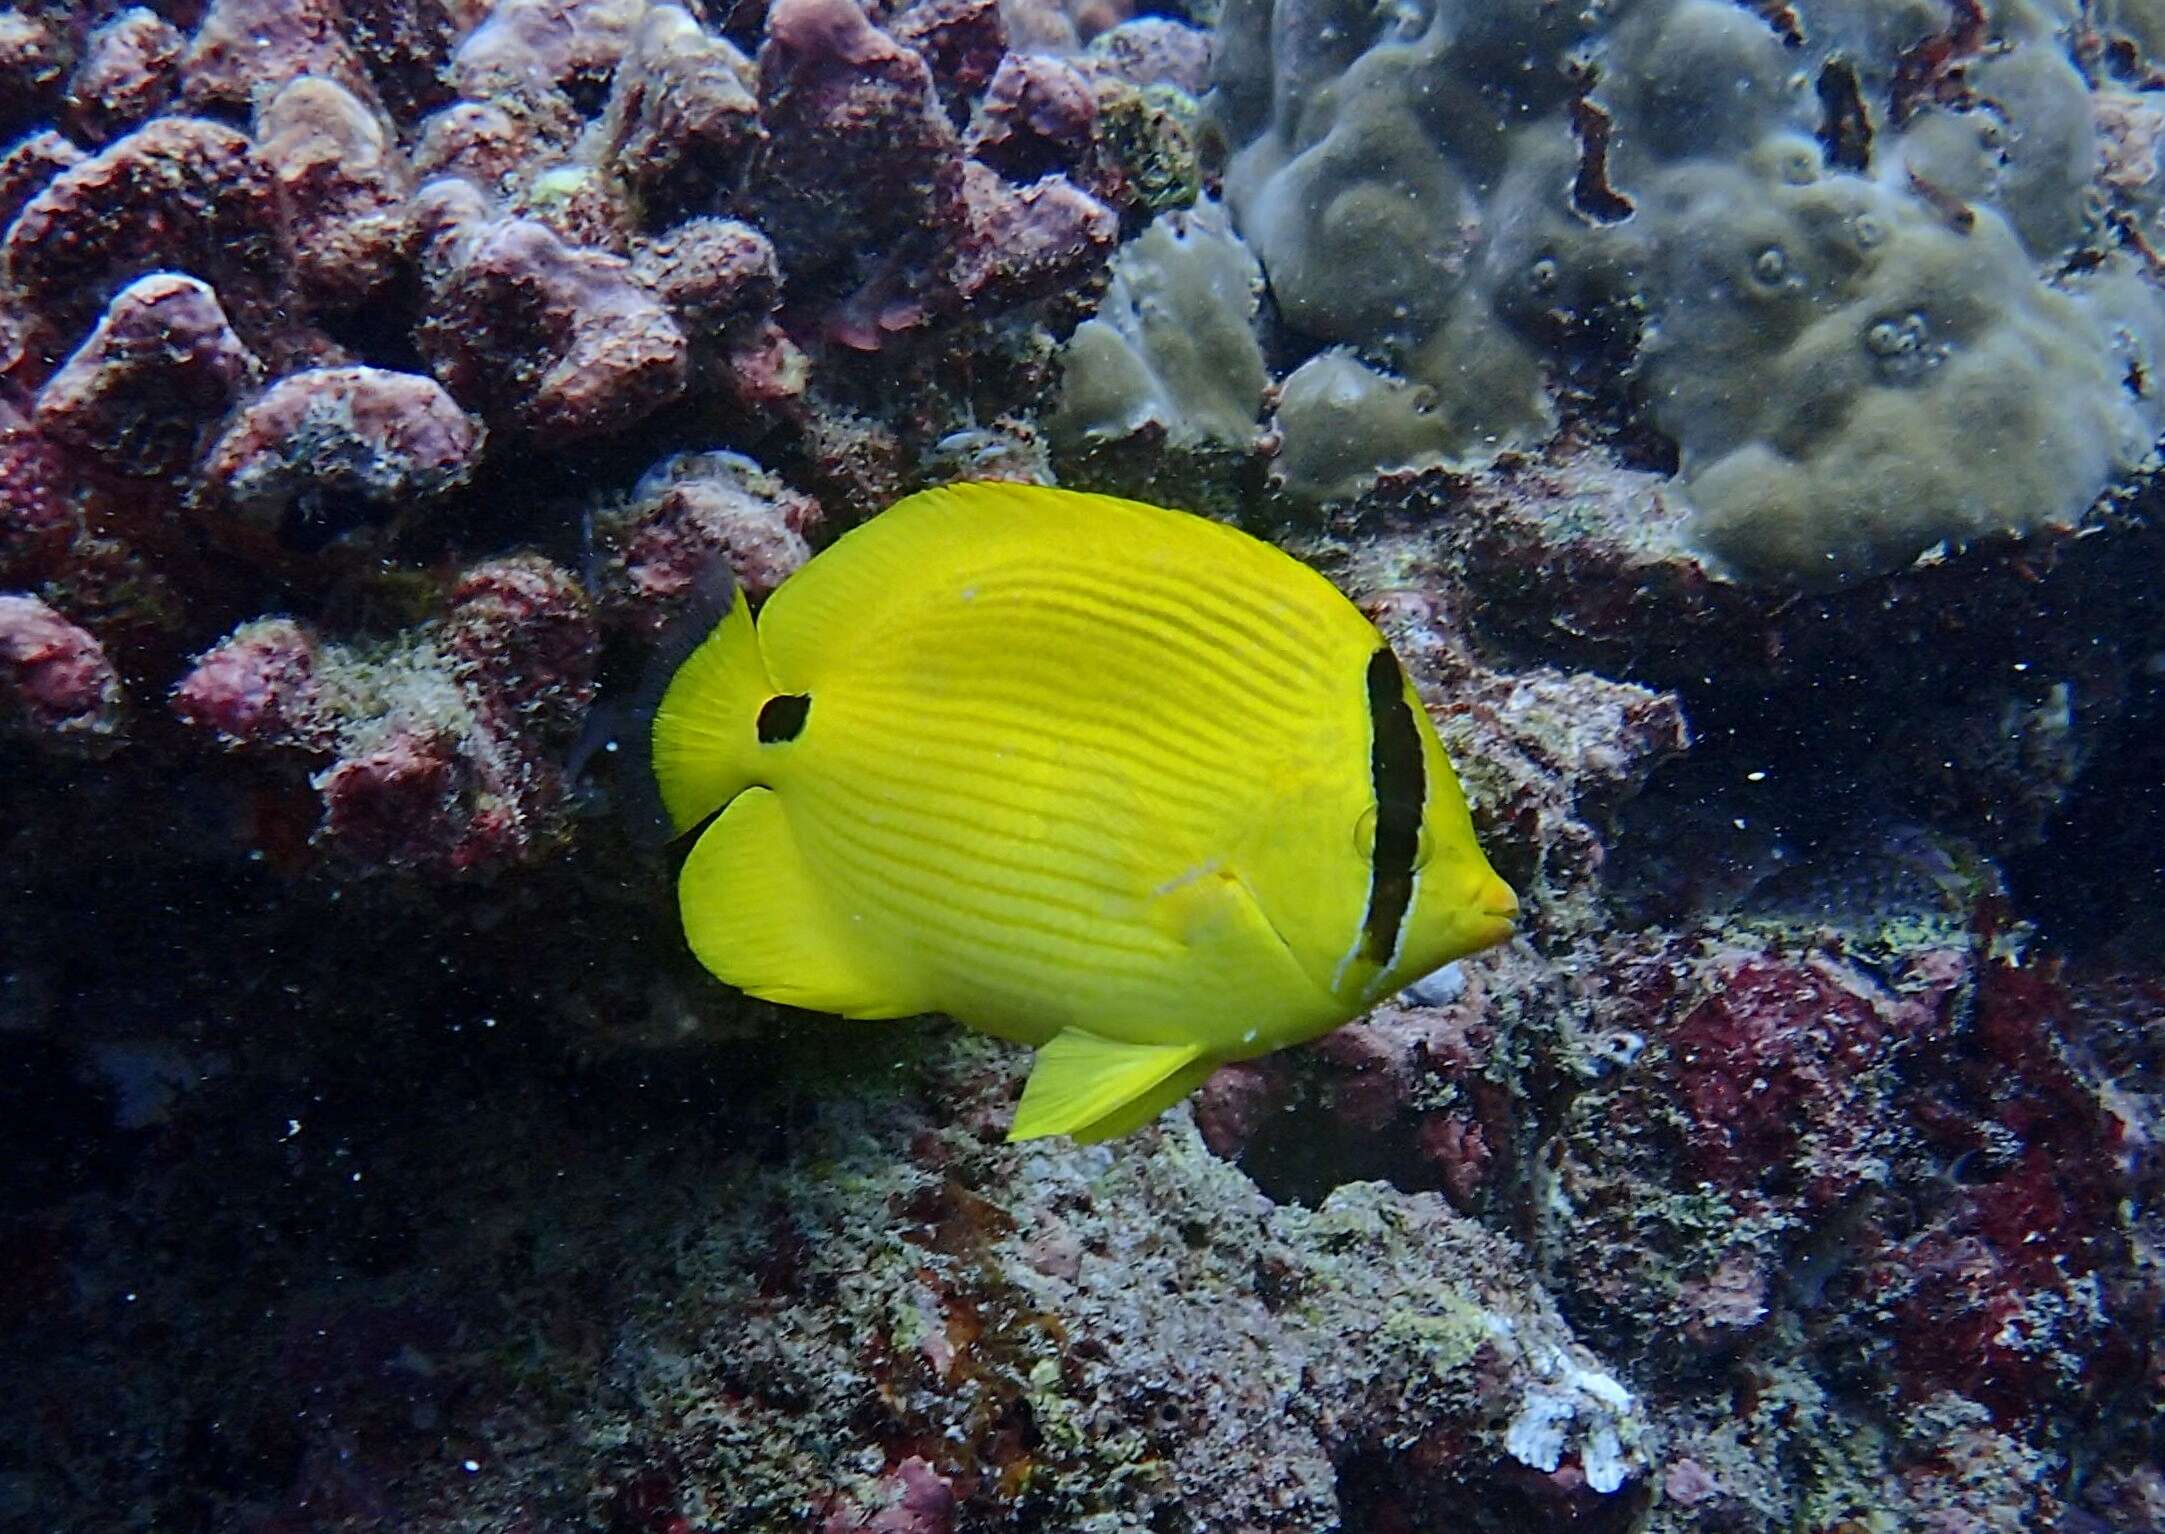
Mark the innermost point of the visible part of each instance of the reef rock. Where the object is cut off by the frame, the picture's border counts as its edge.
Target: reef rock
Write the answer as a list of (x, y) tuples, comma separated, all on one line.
[(57, 688), (433, 753)]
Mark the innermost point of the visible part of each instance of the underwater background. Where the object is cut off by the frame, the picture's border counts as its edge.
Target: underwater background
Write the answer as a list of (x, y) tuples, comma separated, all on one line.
[(1741, 416)]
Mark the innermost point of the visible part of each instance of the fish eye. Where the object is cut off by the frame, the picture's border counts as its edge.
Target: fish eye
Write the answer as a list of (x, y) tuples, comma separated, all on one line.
[(1364, 840)]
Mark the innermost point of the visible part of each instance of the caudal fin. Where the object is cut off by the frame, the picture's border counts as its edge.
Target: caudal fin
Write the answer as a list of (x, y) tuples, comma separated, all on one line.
[(704, 738)]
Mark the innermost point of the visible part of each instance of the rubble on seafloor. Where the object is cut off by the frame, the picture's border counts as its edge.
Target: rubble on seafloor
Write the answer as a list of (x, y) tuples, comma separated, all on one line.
[(1755, 487)]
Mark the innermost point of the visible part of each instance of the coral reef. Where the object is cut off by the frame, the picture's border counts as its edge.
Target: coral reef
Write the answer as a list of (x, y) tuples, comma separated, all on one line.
[(548, 338), (688, 518), (1168, 374), (1008, 1304), (161, 367), (1710, 401), (435, 753), (341, 281), (324, 443), (61, 691)]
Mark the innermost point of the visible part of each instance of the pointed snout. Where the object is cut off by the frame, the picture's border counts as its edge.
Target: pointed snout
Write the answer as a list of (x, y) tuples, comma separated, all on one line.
[(1498, 908)]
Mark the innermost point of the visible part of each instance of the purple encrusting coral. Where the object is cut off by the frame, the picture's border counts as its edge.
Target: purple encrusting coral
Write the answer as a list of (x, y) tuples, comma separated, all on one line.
[(326, 281), (381, 379), (60, 690), (432, 753)]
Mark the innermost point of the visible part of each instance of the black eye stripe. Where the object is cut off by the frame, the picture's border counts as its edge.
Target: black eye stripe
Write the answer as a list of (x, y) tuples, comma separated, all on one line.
[(782, 717), (1400, 779)]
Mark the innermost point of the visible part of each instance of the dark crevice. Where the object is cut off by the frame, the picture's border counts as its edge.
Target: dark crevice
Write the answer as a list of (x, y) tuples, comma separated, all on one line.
[(315, 519), (1591, 195), (1845, 122), (1783, 18)]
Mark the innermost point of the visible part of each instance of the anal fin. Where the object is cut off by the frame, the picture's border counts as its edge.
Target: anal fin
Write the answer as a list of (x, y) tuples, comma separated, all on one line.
[(756, 918), (1093, 1088)]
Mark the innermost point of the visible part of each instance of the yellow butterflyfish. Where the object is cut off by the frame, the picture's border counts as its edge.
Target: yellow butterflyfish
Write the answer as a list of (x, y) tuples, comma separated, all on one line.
[(1117, 782)]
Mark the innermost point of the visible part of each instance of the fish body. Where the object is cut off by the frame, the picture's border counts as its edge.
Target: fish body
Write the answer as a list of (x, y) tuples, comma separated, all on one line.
[(1113, 781)]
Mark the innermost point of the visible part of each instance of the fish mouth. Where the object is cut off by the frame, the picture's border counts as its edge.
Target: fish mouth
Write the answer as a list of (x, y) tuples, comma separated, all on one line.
[(1493, 927), (1499, 916)]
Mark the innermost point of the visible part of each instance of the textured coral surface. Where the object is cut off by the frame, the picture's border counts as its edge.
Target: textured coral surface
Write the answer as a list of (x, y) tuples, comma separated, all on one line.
[(1878, 266), (1737, 416)]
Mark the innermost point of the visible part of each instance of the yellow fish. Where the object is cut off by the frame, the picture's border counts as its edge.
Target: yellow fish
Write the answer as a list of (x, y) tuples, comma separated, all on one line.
[(1114, 781)]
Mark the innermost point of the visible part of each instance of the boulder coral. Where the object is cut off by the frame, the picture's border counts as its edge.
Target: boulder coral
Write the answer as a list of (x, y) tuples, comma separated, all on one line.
[(434, 753), (1861, 255)]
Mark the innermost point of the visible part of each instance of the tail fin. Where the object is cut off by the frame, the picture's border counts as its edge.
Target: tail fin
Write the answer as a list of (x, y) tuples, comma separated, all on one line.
[(704, 736)]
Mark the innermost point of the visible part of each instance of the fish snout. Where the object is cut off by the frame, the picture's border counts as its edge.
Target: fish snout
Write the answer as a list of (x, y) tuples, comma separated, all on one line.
[(1498, 912)]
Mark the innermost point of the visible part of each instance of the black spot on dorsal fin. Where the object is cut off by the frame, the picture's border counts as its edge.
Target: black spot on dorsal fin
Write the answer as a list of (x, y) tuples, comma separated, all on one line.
[(782, 717), (1400, 778)]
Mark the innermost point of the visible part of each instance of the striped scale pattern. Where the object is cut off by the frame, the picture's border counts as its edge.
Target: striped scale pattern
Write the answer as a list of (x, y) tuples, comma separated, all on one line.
[(1026, 776)]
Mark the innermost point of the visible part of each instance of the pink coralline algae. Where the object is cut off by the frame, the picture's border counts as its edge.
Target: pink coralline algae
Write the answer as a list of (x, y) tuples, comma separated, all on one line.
[(543, 336), (528, 44), (33, 62), (690, 520), (162, 366), (342, 186), (341, 280), (178, 194), (28, 164), (860, 143), (2003, 1296), (324, 447), (430, 753), (623, 206), (38, 513), (718, 276), (918, 1500), (1760, 1077), (246, 47), (1025, 244), (56, 687), (963, 42), (682, 123), (1766, 1066), (129, 70), (1038, 114)]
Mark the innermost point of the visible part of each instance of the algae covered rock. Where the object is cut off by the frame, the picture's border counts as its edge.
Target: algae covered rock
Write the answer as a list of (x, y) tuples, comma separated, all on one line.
[(1225, 1361), (1858, 254)]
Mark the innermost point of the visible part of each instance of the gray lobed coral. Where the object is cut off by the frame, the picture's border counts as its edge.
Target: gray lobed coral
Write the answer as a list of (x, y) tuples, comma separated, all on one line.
[(1862, 248), (1173, 343)]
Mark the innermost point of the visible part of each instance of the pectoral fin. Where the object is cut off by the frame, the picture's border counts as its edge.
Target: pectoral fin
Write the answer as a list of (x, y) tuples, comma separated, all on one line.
[(1093, 1088)]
